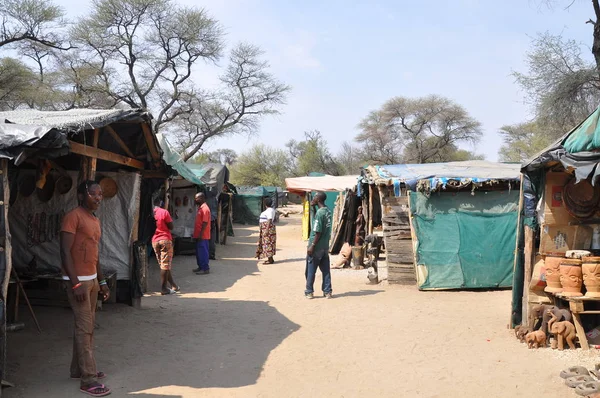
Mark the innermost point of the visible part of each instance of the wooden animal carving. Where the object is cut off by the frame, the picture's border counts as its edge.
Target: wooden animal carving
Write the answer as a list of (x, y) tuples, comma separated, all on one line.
[(544, 312), (564, 330), (536, 339), (521, 331)]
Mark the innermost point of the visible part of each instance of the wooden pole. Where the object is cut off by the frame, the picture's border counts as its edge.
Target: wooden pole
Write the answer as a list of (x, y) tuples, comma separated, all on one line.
[(529, 255), (92, 152), (119, 141), (94, 161), (7, 247), (370, 209), (518, 236)]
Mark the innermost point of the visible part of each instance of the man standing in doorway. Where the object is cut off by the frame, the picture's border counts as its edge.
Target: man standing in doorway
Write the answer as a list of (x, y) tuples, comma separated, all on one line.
[(79, 240), (202, 235), (317, 255)]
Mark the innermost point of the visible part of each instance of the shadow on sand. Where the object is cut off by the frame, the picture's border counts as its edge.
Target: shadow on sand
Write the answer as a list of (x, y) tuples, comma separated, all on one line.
[(183, 340)]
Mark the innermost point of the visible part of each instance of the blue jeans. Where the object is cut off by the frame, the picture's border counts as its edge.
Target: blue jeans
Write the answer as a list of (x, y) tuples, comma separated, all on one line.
[(319, 259), (202, 254)]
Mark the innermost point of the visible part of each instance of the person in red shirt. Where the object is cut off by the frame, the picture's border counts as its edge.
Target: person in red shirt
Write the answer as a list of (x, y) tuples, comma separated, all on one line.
[(79, 248), (162, 243), (202, 235)]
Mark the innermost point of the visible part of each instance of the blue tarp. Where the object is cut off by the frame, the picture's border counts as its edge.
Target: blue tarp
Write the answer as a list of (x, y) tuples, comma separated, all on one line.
[(438, 174)]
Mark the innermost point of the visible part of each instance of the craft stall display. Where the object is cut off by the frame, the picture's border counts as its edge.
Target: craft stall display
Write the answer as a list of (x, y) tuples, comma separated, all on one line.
[(564, 282)]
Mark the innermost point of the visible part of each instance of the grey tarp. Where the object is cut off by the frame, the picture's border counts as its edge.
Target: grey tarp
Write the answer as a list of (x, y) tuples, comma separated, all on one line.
[(35, 225), (27, 133)]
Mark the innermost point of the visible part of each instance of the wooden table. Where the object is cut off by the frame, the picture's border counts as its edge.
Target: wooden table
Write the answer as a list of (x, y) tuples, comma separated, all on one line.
[(577, 307)]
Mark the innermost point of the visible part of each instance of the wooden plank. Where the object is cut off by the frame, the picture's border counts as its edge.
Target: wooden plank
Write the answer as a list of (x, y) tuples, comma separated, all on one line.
[(518, 236), (580, 332), (94, 161), (395, 209), (395, 201), (397, 234), (404, 220), (91, 152), (149, 136), (7, 247), (119, 141), (529, 254), (389, 228), (370, 225)]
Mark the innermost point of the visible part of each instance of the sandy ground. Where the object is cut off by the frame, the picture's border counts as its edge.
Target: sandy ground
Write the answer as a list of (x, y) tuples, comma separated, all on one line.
[(246, 330)]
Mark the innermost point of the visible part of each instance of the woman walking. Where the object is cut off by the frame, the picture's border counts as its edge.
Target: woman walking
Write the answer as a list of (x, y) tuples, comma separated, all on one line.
[(267, 240), (162, 243)]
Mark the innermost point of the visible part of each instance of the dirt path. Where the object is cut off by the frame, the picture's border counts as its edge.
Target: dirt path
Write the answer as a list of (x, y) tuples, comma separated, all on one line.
[(246, 330)]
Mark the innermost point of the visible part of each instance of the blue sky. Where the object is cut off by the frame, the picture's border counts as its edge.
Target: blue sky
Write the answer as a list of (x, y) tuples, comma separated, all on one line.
[(346, 58)]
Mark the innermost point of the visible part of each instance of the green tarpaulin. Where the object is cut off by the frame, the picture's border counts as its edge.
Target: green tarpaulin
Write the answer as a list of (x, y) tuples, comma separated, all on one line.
[(248, 204), (465, 240), (586, 136)]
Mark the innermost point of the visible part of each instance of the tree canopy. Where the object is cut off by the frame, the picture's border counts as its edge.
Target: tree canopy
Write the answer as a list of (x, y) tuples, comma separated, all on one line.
[(417, 130)]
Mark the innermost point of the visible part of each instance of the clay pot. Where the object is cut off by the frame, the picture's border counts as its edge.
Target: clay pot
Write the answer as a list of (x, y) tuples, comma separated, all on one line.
[(571, 277), (591, 276), (553, 274)]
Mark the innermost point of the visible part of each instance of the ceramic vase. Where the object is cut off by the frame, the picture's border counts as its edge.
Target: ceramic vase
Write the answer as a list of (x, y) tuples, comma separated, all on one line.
[(591, 276), (552, 265), (571, 277)]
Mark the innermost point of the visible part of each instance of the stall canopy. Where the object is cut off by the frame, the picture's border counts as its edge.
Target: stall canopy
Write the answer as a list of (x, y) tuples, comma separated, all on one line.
[(463, 239), (325, 183), (437, 175), (30, 133), (173, 159), (577, 149)]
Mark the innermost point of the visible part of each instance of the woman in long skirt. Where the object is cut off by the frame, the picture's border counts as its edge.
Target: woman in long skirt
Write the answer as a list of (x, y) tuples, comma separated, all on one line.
[(267, 240)]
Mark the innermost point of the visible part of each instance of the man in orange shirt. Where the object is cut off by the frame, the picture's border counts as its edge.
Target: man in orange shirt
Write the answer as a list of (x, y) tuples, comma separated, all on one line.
[(202, 234), (79, 240)]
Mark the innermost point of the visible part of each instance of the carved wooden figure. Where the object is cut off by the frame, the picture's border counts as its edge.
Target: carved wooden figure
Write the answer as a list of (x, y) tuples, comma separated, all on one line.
[(521, 331), (536, 339), (542, 311), (564, 330)]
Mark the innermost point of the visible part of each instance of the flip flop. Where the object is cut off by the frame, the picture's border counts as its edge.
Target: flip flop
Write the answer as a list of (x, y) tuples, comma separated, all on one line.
[(574, 371), (99, 375), (96, 391), (577, 380), (170, 291), (589, 388), (177, 290)]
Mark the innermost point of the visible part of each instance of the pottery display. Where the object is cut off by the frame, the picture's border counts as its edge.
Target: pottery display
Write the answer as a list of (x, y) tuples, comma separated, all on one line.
[(591, 276), (571, 277), (553, 274)]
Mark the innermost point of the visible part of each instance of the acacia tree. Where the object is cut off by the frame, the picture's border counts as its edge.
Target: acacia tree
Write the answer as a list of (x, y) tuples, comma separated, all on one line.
[(417, 130), (312, 155), (522, 141), (380, 141), (145, 51), (562, 87), (350, 158), (247, 92), (31, 21), (261, 165)]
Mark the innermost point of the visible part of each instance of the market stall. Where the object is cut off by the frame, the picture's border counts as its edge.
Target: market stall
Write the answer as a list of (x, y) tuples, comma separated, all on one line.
[(43, 157), (444, 225), (558, 261)]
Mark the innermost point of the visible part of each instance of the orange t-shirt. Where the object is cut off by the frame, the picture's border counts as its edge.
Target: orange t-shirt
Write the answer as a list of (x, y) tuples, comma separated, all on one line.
[(202, 216), (86, 228)]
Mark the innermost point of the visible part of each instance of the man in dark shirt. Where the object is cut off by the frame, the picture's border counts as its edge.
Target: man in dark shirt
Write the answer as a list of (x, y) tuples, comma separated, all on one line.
[(318, 248)]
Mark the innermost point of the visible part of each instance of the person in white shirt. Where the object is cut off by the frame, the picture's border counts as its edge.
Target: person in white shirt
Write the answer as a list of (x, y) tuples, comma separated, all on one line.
[(268, 235)]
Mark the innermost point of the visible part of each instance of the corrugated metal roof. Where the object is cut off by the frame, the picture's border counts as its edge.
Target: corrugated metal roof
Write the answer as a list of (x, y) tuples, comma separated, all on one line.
[(72, 119)]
